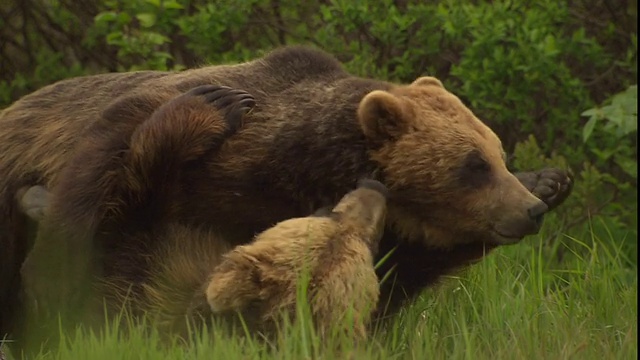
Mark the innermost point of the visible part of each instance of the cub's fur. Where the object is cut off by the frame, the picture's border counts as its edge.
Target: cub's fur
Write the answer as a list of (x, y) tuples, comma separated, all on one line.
[(335, 252)]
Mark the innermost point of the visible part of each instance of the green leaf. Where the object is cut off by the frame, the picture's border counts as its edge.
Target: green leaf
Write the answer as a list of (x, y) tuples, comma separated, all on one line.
[(627, 100), (172, 5), (114, 38), (609, 112), (588, 129), (146, 20), (628, 165), (124, 18), (591, 112), (157, 39), (629, 123), (106, 16), (550, 46), (325, 11), (604, 154)]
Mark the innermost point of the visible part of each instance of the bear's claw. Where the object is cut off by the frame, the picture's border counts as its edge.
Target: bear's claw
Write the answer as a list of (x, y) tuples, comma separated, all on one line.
[(551, 185), (233, 103)]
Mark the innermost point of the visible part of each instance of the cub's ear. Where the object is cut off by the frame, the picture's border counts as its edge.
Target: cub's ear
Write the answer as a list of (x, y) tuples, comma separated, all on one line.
[(427, 81), (233, 285), (383, 117)]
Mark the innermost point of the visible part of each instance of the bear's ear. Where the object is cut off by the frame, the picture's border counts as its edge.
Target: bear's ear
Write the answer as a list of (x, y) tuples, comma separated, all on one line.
[(383, 117), (427, 81)]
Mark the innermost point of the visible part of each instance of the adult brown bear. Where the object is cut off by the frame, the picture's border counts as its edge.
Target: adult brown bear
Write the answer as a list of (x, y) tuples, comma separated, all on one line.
[(134, 164)]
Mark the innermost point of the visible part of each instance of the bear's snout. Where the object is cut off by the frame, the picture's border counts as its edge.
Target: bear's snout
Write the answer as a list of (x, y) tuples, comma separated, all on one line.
[(514, 228), (537, 211)]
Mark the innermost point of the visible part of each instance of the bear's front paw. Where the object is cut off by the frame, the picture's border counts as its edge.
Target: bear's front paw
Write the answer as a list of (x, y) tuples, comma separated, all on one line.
[(232, 103), (551, 185)]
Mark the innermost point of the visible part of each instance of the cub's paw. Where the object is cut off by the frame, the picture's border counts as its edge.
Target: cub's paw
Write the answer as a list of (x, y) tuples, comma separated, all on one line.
[(232, 103), (551, 185)]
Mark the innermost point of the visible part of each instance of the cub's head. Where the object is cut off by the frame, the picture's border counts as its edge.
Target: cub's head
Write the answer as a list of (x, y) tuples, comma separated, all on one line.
[(365, 210), (444, 168)]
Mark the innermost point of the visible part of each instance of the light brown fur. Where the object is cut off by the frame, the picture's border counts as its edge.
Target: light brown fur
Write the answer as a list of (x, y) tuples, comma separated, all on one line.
[(436, 165), (335, 253)]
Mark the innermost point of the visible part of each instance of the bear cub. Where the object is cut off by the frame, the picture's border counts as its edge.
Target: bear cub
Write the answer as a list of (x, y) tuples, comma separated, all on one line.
[(333, 250)]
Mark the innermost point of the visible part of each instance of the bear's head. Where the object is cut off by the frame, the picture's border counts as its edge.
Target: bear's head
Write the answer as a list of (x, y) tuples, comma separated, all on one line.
[(445, 169)]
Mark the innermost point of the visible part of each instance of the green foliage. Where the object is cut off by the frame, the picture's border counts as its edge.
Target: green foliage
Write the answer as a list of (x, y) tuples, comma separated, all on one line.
[(45, 72), (136, 29), (517, 72), (605, 201), (529, 69), (617, 129)]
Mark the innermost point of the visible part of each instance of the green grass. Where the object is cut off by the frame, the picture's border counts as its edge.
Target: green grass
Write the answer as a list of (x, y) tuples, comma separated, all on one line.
[(519, 303)]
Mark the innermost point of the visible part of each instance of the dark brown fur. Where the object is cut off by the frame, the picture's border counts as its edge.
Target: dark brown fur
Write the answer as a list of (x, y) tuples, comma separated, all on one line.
[(124, 167)]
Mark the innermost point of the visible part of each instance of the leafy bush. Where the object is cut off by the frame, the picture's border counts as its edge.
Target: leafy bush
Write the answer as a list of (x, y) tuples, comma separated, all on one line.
[(616, 138), (517, 71), (529, 69), (606, 191)]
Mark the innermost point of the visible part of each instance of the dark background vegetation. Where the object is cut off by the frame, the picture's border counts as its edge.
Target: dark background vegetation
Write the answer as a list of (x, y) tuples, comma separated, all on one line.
[(555, 79)]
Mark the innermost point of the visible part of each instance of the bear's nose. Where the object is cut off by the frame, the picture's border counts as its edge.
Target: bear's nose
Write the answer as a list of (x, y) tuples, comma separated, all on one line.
[(537, 211)]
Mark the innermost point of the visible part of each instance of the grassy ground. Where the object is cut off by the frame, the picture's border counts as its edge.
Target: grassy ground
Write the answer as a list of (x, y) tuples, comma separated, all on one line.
[(520, 303)]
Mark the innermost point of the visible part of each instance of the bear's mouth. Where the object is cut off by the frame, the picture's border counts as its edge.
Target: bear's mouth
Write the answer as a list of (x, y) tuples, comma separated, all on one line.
[(502, 238)]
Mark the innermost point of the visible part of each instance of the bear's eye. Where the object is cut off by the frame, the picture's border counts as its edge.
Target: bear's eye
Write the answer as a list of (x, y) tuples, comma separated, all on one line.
[(476, 163), (475, 170)]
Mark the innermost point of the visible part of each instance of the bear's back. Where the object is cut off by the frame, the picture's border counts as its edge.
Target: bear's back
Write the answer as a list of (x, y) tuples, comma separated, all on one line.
[(39, 132)]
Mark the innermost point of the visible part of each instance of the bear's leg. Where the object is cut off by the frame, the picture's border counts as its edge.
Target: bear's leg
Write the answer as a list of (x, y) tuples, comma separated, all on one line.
[(108, 177), (186, 128), (133, 152)]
